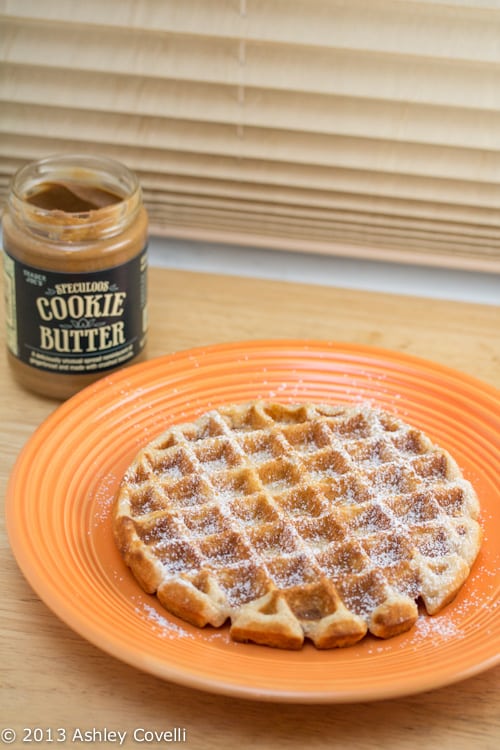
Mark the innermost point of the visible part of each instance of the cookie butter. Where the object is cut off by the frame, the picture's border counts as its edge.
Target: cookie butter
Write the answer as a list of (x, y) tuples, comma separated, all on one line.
[(75, 268)]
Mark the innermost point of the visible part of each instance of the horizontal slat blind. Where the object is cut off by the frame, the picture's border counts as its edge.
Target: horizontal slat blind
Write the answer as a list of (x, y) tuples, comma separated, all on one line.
[(369, 128)]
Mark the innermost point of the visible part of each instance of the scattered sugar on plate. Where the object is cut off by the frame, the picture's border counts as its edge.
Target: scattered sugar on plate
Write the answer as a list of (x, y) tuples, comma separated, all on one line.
[(104, 498), (436, 628), (163, 628)]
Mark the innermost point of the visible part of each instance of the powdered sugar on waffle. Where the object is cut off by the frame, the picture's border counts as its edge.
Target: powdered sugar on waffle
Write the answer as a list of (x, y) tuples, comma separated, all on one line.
[(269, 497)]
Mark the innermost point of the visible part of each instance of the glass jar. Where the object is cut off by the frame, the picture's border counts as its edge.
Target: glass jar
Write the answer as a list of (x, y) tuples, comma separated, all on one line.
[(75, 268)]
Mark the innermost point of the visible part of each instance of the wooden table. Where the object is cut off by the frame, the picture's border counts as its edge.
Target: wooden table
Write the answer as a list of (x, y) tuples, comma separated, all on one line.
[(50, 677)]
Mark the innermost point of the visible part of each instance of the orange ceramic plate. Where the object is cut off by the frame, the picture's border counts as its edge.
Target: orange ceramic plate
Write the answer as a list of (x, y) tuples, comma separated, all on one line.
[(61, 492)]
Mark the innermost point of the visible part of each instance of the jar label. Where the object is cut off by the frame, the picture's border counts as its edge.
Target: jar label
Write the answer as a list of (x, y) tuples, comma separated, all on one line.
[(76, 323)]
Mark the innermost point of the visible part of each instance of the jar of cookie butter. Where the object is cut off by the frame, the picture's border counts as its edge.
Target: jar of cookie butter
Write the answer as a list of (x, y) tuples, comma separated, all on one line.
[(75, 269)]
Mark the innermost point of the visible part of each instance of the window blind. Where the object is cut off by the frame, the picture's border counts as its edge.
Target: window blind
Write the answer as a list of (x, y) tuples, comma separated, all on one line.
[(363, 128)]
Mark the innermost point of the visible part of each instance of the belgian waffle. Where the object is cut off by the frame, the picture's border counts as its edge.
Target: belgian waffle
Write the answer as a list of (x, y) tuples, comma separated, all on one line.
[(298, 520)]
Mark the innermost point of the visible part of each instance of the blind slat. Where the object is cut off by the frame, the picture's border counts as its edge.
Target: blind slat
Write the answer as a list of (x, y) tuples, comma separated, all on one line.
[(296, 217), (443, 31), (225, 141), (366, 127), (259, 179), (148, 56)]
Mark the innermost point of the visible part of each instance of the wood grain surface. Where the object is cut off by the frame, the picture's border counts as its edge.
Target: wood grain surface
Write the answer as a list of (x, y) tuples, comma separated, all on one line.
[(52, 678)]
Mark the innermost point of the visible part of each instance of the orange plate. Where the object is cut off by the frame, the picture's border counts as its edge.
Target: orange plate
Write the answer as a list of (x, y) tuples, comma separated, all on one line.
[(61, 492)]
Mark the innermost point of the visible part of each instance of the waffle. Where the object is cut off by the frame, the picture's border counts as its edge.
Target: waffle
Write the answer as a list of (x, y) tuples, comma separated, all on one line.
[(297, 521)]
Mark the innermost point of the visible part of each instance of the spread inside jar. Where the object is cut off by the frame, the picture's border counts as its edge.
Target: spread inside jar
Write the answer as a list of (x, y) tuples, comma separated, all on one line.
[(71, 197)]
